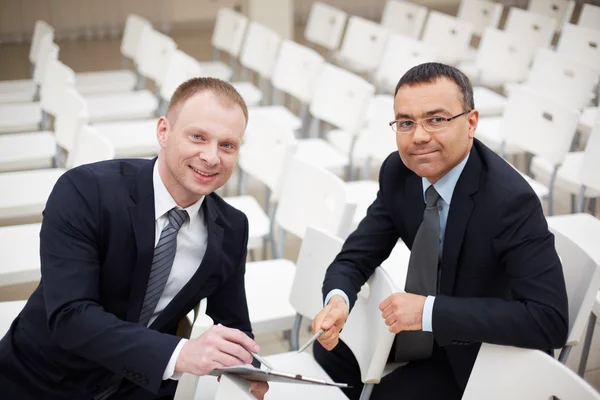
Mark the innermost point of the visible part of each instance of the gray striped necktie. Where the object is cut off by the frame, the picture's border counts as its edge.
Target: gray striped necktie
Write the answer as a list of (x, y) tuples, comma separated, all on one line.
[(422, 278), (164, 254)]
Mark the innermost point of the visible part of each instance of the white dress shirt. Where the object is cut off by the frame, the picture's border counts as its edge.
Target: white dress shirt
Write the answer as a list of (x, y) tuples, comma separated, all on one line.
[(445, 187), (191, 246)]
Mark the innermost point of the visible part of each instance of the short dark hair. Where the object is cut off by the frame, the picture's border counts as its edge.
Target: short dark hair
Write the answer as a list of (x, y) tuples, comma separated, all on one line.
[(432, 71)]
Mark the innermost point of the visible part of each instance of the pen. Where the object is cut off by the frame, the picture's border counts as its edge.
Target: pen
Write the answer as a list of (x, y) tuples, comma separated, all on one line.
[(311, 340)]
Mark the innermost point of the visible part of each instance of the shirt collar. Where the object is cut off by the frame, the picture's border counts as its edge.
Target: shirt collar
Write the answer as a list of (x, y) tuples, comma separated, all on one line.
[(163, 201), (446, 184)]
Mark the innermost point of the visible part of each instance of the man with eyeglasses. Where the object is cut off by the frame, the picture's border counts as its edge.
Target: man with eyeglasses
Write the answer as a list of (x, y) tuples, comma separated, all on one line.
[(483, 267)]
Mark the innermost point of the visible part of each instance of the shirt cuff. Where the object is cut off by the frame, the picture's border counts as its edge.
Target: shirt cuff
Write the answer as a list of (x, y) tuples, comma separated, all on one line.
[(333, 293), (170, 370), (428, 314)]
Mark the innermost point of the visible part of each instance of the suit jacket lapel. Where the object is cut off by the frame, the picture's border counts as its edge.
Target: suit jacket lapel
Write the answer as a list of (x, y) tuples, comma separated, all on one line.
[(461, 207), (192, 293), (143, 223)]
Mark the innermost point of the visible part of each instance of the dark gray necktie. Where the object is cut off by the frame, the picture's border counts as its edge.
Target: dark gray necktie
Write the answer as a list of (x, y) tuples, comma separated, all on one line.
[(422, 278), (164, 254)]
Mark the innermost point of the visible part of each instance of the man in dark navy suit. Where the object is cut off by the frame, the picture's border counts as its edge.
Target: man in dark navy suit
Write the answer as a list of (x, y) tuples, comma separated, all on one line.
[(483, 266), (128, 248)]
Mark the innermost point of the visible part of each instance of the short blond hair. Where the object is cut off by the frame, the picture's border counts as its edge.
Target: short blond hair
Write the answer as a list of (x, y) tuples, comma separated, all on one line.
[(223, 90)]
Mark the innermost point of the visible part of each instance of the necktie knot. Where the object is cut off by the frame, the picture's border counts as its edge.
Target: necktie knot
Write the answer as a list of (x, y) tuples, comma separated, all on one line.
[(177, 217), (432, 196)]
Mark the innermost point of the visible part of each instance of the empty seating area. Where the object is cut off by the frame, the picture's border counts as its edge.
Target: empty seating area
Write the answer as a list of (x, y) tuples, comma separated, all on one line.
[(320, 103)]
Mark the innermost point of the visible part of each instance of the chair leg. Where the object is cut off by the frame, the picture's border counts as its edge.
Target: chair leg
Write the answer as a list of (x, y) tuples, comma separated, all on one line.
[(564, 354), (366, 391), (295, 335), (124, 62), (587, 344)]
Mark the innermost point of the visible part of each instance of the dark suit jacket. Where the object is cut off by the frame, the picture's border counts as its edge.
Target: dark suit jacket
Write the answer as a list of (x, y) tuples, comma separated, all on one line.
[(97, 241), (501, 279)]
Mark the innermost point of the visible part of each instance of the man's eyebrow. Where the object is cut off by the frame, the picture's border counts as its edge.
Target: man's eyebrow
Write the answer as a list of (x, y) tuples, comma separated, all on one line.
[(426, 114)]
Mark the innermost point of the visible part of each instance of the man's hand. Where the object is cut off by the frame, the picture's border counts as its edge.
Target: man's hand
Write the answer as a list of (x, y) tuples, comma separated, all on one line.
[(332, 319), (258, 389), (403, 312), (216, 348)]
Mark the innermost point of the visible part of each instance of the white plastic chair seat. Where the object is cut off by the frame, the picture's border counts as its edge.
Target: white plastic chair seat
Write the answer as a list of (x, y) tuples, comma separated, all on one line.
[(121, 106), (567, 177), (582, 228), (363, 194), (318, 152), (105, 81), (488, 102), (342, 140), (19, 90), (258, 221), (8, 312), (19, 254), (30, 150), (278, 115), (216, 69), (24, 193), (270, 310), (305, 364), (131, 138), (20, 117), (250, 93), (353, 65), (488, 131), (588, 117)]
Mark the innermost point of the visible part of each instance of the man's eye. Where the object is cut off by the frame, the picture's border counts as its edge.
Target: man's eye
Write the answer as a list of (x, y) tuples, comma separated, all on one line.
[(437, 120), (406, 124)]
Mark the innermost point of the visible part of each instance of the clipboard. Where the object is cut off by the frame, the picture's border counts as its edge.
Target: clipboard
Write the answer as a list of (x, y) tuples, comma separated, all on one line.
[(252, 373)]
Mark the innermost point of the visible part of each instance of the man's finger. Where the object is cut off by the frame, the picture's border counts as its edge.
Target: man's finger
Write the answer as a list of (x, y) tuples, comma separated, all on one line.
[(237, 336), (385, 303)]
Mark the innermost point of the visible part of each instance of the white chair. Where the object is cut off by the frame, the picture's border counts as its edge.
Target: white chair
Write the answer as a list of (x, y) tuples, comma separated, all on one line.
[(502, 372), (481, 13), (363, 45), (19, 255), (258, 55), (580, 43), (366, 335), (536, 27), (227, 37), (394, 63), (25, 89), (449, 35), (26, 192), (9, 310), (404, 18), (325, 26), (559, 10), (295, 74), (589, 16)]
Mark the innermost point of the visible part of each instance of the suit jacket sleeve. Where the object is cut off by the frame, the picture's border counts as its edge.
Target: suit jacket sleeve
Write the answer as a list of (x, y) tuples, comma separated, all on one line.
[(365, 249), (537, 315), (70, 250)]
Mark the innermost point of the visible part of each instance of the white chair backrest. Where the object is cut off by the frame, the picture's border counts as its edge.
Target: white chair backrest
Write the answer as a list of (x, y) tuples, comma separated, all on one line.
[(502, 372), (364, 42), (589, 17), (365, 332), (404, 18), (155, 52), (379, 139), (341, 98), (449, 35), (582, 279), (317, 252), (396, 62), (325, 25), (132, 35), (90, 147), (296, 70), (504, 54), (70, 120), (480, 13), (180, 68), (561, 78), (48, 51), (589, 175), (312, 195), (58, 78), (539, 125), (229, 30), (260, 49), (40, 30), (559, 10), (536, 27), (580, 43)]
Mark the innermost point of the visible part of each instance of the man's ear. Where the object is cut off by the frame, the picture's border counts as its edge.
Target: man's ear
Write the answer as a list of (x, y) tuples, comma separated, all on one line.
[(473, 120), (162, 131)]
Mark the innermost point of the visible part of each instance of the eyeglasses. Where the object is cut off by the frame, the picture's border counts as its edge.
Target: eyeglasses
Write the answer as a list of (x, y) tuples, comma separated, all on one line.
[(432, 124)]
